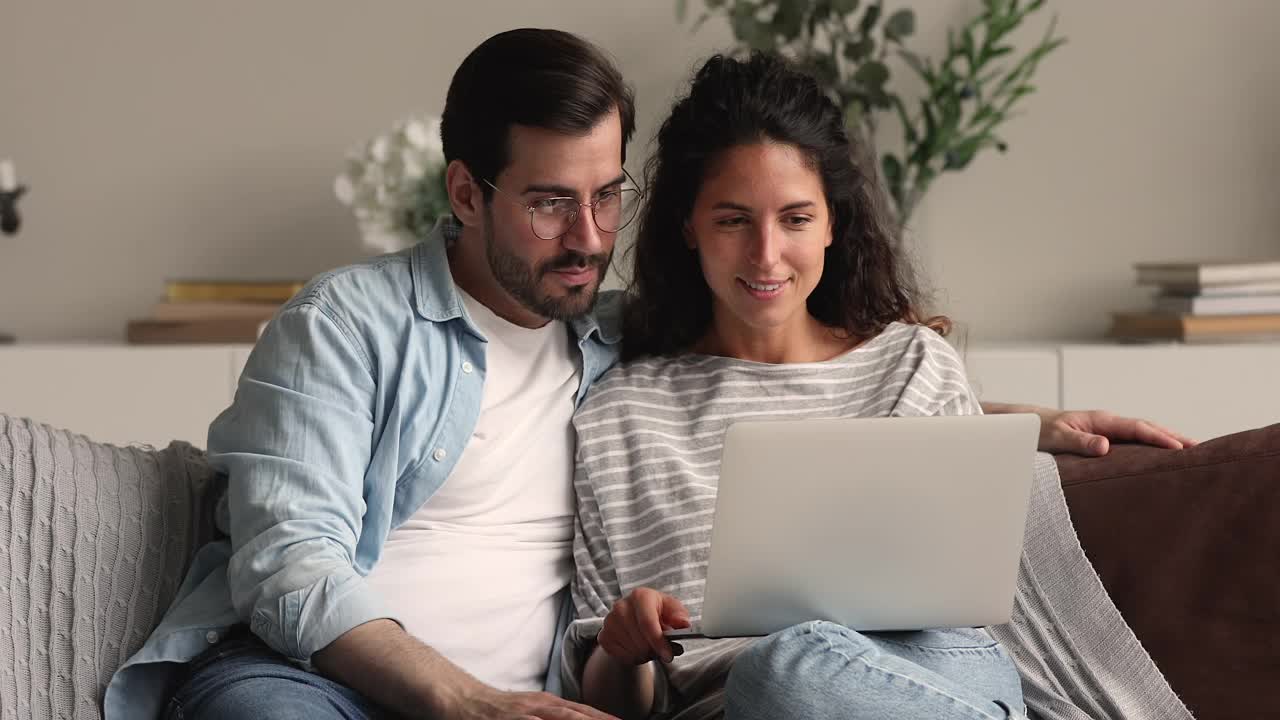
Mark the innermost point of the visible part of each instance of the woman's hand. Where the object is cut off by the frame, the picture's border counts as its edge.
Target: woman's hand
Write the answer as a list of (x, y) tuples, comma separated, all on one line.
[(632, 631)]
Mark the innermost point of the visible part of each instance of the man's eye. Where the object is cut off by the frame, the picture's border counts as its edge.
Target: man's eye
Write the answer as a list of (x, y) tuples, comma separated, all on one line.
[(552, 206)]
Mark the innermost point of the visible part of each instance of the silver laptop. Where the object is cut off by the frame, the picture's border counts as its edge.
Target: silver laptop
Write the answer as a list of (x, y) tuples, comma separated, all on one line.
[(877, 524)]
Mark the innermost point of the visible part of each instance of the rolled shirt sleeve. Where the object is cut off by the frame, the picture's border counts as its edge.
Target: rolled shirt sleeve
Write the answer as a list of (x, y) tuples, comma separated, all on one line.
[(296, 447)]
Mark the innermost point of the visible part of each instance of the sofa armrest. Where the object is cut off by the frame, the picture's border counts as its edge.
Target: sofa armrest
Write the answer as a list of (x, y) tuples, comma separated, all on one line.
[(1187, 543)]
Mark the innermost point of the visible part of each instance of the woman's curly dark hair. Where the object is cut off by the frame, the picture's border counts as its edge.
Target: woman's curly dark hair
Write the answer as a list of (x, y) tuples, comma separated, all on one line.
[(732, 102)]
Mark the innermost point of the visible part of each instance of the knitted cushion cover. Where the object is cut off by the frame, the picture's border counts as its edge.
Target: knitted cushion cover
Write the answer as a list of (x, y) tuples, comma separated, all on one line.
[(94, 542)]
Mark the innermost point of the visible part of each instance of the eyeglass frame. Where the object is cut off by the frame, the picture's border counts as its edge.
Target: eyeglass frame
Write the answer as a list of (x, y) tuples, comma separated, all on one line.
[(577, 213)]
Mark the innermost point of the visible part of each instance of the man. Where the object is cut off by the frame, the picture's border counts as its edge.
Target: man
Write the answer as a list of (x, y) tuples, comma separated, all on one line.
[(399, 452)]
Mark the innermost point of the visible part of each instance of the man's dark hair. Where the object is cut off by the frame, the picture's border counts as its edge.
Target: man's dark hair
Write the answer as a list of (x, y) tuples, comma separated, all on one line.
[(539, 78)]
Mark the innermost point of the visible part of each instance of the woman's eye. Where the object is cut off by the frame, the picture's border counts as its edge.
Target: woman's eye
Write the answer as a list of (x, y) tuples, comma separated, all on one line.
[(797, 220), (736, 221)]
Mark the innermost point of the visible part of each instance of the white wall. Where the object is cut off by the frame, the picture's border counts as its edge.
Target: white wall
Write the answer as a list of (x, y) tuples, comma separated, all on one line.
[(1153, 136), (200, 139)]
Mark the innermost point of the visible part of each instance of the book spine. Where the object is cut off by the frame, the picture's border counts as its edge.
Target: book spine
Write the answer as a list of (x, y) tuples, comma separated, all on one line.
[(182, 292), (1219, 305)]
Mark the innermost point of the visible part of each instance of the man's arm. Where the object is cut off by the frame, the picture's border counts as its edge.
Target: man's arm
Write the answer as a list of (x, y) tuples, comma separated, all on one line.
[(296, 445), (384, 663), (1090, 432)]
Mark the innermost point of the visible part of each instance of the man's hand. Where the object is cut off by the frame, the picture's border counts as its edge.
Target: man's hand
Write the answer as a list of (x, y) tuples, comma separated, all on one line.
[(399, 672), (1090, 432), (632, 632), (486, 703)]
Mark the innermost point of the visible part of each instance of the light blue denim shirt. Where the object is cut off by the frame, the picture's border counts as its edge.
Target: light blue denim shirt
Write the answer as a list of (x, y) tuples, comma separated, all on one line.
[(352, 410)]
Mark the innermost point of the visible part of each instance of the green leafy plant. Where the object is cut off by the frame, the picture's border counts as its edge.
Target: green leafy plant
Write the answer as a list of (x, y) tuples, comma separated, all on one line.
[(968, 94)]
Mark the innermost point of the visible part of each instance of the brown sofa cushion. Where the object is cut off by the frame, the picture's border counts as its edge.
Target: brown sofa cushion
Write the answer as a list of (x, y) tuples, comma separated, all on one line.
[(1188, 545)]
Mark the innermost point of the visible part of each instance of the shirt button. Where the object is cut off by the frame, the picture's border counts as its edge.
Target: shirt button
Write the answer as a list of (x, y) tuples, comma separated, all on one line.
[(467, 367), (211, 636), (440, 454)]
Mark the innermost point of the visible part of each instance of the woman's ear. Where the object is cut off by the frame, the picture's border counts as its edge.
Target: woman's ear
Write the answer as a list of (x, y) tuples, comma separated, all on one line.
[(690, 240), (465, 196)]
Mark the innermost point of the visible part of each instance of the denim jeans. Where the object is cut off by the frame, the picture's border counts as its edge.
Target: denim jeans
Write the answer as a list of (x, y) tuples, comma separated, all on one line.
[(820, 670), (241, 678)]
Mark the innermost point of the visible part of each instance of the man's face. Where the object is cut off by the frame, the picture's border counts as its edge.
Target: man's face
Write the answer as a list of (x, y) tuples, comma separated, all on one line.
[(557, 278)]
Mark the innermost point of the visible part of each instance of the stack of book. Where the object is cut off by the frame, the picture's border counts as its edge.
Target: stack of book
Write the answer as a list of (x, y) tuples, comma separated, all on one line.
[(1206, 302), (211, 311)]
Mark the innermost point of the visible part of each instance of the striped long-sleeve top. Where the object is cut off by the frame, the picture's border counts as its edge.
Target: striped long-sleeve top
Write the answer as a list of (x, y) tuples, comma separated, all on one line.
[(648, 459)]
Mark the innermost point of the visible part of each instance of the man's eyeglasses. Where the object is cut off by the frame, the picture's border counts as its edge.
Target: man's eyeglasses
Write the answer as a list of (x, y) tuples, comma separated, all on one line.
[(552, 217)]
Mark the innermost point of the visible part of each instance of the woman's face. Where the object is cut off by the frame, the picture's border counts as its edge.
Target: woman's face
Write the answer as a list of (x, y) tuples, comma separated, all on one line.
[(760, 227)]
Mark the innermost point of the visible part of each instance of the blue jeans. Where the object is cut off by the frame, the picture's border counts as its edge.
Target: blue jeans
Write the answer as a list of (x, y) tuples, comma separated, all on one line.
[(241, 678), (820, 670)]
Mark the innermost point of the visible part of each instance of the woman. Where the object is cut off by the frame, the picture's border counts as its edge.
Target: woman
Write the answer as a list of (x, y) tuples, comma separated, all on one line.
[(765, 287)]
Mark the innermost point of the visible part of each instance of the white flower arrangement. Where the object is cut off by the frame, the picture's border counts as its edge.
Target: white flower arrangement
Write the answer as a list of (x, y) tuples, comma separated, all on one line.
[(395, 185)]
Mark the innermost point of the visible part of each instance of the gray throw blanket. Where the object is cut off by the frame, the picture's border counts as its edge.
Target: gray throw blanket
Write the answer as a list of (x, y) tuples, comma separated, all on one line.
[(94, 540), (1078, 658)]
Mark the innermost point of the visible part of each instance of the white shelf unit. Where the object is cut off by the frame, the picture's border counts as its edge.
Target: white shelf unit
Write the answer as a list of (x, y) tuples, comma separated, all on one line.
[(152, 394)]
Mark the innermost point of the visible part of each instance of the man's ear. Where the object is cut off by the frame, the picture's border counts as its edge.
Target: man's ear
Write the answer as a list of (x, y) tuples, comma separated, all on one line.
[(465, 196)]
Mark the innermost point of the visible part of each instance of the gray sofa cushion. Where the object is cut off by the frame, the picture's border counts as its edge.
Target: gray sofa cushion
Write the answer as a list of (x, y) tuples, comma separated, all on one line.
[(94, 541)]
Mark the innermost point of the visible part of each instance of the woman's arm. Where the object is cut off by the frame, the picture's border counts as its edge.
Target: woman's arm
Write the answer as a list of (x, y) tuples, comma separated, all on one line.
[(619, 677), (623, 687), (618, 688)]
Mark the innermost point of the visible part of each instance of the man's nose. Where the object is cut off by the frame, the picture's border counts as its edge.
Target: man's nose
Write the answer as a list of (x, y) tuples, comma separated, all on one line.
[(585, 237)]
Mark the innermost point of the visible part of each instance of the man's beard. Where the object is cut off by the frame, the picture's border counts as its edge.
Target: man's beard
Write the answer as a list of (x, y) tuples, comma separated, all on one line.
[(521, 280)]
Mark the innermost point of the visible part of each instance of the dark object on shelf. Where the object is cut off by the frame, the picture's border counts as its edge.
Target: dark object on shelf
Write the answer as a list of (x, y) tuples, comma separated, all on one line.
[(10, 220)]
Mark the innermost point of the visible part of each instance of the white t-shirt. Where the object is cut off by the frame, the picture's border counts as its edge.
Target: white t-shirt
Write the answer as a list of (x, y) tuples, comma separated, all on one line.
[(475, 572)]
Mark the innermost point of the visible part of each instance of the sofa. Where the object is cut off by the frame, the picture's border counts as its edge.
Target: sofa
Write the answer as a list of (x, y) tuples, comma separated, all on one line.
[(97, 538), (1187, 544)]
